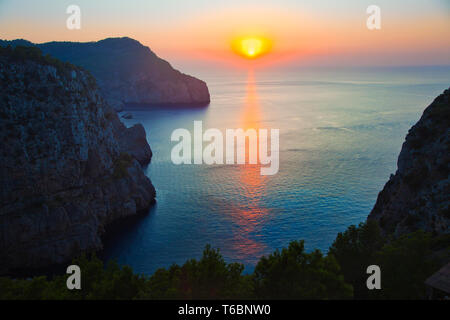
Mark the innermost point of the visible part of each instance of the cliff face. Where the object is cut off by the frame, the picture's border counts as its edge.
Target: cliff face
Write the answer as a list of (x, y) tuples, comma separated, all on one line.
[(418, 195), (68, 165), (128, 72)]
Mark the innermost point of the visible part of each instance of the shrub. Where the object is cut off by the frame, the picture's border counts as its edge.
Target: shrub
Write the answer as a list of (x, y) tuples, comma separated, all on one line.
[(294, 274), (208, 278), (291, 273), (97, 282), (354, 250), (405, 264)]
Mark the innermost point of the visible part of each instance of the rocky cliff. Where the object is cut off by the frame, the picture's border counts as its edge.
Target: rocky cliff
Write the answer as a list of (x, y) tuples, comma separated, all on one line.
[(418, 195), (128, 72), (68, 165)]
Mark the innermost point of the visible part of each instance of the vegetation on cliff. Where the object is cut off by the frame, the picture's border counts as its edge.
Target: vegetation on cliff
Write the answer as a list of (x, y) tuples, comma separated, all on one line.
[(69, 166), (417, 196), (287, 274), (406, 234), (405, 262), (126, 71), (25, 53)]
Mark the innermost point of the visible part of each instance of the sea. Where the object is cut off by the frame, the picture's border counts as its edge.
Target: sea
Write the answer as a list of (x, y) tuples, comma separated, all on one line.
[(340, 133)]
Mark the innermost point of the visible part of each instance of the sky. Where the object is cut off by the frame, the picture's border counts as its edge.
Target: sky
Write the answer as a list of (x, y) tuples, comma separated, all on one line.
[(318, 32)]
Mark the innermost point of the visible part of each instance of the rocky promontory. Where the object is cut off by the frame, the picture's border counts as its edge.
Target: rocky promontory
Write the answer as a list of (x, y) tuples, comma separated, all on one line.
[(68, 166), (418, 195), (128, 72)]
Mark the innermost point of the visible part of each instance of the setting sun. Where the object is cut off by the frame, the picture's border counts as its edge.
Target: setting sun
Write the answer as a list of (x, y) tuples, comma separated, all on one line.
[(251, 47)]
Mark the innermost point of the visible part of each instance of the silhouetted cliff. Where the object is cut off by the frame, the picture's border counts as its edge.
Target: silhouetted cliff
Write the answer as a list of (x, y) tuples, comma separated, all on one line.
[(128, 72), (418, 195), (68, 165)]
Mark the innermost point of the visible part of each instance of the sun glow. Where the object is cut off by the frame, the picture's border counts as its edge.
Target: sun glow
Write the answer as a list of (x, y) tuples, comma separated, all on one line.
[(251, 47)]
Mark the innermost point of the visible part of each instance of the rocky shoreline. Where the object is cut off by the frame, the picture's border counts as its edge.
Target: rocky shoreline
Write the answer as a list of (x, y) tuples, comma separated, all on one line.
[(69, 166), (128, 72)]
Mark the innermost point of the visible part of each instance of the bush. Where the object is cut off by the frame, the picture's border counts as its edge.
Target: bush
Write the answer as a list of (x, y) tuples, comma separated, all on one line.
[(97, 282), (354, 250), (405, 264), (209, 278), (294, 274), (291, 273), (31, 53)]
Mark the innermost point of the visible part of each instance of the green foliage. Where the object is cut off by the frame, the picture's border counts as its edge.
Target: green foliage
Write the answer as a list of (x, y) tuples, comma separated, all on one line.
[(405, 262), (110, 283), (208, 278), (405, 265), (23, 53), (290, 273), (97, 282), (354, 250), (294, 274)]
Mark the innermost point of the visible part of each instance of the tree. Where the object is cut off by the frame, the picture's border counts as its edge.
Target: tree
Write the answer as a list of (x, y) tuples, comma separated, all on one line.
[(209, 278), (354, 250), (294, 274), (405, 265)]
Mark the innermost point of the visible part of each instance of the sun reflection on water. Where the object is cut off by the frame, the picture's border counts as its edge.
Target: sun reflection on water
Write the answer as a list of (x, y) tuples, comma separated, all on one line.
[(251, 214)]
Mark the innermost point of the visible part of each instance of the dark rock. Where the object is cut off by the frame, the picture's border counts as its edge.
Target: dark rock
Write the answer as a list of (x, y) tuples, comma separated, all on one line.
[(418, 195), (128, 72), (65, 169), (133, 140)]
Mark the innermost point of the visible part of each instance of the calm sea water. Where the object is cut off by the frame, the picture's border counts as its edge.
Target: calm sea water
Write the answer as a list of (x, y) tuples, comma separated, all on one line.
[(340, 134)]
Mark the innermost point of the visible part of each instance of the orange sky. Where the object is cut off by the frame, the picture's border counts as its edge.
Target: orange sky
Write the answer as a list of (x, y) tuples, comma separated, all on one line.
[(321, 33), (298, 37)]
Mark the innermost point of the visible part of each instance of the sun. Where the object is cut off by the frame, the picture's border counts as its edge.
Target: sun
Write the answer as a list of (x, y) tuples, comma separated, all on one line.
[(251, 47)]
